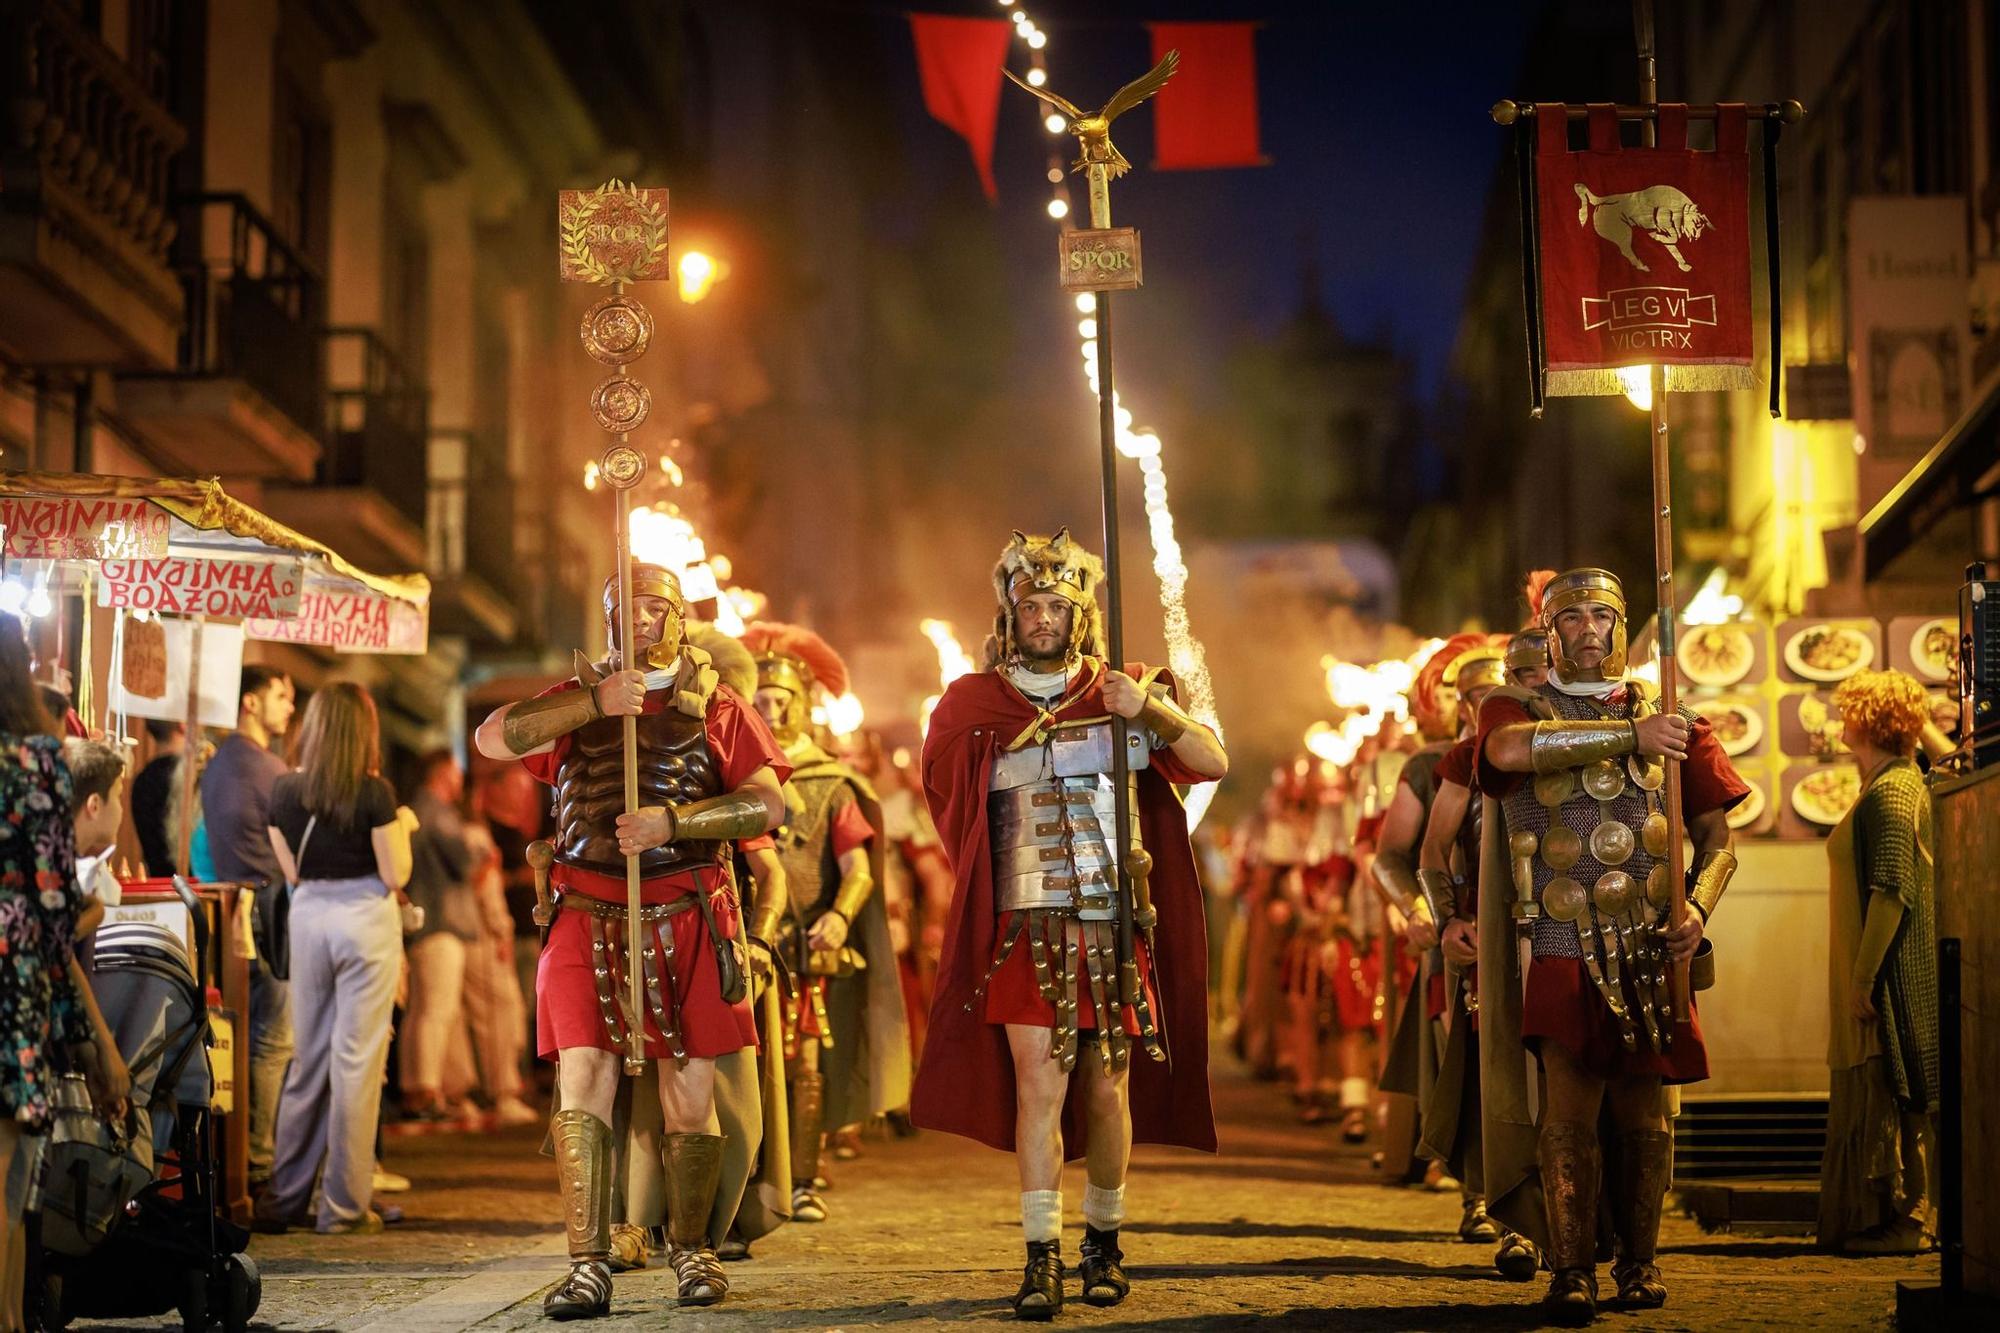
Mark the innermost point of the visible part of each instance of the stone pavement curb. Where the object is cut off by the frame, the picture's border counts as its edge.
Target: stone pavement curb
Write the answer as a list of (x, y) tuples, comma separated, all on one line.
[(478, 1297)]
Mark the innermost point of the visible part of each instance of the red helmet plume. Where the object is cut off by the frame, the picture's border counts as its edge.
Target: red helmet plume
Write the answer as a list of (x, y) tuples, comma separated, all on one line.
[(766, 637), (1537, 580)]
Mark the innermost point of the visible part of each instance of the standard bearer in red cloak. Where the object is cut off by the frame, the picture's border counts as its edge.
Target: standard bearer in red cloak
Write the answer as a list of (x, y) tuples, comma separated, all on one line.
[(1031, 1038)]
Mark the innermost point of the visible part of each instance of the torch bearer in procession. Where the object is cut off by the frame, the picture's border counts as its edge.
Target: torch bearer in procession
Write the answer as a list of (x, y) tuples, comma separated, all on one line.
[(611, 236), (1637, 280), (1102, 259)]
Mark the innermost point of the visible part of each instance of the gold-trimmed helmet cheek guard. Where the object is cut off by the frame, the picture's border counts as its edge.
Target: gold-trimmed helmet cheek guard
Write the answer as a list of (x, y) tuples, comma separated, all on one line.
[(651, 581)]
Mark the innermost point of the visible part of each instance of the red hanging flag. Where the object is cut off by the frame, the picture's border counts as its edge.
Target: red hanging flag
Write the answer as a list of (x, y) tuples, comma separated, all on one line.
[(1207, 117), (959, 61), (1644, 253)]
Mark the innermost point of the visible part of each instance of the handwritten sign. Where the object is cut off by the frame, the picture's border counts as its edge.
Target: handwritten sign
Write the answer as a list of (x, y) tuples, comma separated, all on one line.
[(144, 669), (233, 589), (216, 691), (1104, 259), (67, 527), (348, 619)]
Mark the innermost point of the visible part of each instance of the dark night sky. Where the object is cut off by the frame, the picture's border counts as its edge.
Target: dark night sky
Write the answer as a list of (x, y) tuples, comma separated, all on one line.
[(1374, 116)]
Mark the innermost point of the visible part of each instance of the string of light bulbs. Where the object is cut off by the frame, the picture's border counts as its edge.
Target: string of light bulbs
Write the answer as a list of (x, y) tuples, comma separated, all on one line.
[(1185, 653)]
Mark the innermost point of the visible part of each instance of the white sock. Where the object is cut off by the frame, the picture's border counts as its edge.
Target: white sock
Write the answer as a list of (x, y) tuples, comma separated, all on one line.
[(1103, 1209), (1041, 1214), (1353, 1093)]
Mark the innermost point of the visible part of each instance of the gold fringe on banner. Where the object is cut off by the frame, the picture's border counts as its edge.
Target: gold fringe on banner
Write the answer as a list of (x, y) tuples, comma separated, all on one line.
[(1604, 381)]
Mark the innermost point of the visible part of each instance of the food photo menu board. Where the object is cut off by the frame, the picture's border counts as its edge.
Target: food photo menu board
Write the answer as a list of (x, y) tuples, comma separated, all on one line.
[(1768, 693)]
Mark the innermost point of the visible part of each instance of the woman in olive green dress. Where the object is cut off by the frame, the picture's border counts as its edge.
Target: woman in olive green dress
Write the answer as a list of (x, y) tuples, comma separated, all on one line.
[(1878, 1178)]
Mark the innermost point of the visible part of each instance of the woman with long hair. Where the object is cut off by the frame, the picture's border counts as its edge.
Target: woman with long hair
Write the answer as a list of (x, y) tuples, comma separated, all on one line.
[(44, 1027), (344, 846), (1878, 1180)]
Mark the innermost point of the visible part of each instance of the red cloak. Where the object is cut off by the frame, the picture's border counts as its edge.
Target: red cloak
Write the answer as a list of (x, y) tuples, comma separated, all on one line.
[(965, 1084)]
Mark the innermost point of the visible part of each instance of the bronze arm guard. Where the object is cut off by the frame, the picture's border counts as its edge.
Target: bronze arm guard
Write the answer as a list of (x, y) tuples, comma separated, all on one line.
[(1164, 718), (767, 908), (533, 723), (1559, 745), (1441, 892), (1712, 874), (1397, 881), (852, 895), (724, 818)]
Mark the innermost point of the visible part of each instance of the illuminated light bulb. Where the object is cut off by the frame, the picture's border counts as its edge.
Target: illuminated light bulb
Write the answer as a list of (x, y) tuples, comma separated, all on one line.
[(720, 564), (1037, 39), (1004, 4), (1086, 328), (1123, 416), (1086, 303), (698, 274), (1059, 209), (1037, 77), (1638, 383), (13, 596), (39, 603), (1053, 123), (1090, 349)]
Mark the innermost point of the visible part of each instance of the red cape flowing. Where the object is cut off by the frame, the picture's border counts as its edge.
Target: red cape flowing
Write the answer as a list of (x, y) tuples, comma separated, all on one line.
[(965, 1084)]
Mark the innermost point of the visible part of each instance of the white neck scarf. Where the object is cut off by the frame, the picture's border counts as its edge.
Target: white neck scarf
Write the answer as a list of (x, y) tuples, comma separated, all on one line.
[(1585, 689), (661, 678), (1040, 684)]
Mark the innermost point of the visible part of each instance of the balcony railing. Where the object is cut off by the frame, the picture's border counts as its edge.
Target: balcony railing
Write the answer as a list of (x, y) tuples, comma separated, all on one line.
[(79, 120), (254, 306), (377, 422)]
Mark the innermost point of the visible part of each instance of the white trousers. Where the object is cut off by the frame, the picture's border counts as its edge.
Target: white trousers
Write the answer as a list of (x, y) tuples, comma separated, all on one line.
[(495, 1022), (347, 954), (435, 1017)]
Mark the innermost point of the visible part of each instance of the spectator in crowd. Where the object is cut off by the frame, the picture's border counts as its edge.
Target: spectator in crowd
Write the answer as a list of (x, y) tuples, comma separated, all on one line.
[(44, 1021), (1878, 1177), (508, 800), (495, 1013), (442, 866), (152, 790), (235, 810), (342, 842)]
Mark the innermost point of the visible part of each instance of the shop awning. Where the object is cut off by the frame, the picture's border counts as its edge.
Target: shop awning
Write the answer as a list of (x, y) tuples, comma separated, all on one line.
[(1961, 469)]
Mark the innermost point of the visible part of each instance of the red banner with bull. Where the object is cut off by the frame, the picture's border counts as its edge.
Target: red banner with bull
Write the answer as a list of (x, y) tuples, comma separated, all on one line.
[(1644, 253)]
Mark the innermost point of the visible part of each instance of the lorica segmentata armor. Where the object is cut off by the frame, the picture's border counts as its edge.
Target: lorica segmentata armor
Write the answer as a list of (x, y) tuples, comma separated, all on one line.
[(675, 768)]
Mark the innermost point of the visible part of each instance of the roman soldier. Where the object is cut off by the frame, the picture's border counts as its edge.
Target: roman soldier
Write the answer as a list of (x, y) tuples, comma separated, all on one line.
[(1039, 1009), (1577, 767), (847, 1043), (1410, 1062), (709, 773), (1449, 878)]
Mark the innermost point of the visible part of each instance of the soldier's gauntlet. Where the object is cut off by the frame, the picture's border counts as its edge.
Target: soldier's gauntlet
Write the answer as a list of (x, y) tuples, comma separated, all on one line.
[(533, 723), (1441, 892), (1559, 745), (1711, 876), (852, 895), (1398, 882), (725, 818), (767, 907), (1163, 717)]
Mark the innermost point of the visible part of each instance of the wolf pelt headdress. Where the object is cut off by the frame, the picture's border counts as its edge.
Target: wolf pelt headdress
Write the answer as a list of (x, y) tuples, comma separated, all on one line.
[(1057, 564)]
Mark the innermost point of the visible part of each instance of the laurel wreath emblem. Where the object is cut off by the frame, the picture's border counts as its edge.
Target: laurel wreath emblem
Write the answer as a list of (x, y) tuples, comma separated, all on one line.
[(576, 223)]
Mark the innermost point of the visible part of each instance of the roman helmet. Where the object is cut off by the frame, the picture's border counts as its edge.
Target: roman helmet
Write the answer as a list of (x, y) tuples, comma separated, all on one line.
[(1578, 587), (795, 662), (651, 581)]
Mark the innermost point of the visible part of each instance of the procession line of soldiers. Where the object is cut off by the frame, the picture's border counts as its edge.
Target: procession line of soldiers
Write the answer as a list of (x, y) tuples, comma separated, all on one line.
[(1069, 1018)]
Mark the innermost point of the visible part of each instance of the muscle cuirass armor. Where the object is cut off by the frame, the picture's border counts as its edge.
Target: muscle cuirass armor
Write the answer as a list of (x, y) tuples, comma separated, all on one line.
[(1047, 808), (1594, 841), (675, 767)]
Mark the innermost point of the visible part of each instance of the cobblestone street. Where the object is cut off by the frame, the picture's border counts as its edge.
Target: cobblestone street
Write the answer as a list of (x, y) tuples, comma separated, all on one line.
[(1284, 1229)]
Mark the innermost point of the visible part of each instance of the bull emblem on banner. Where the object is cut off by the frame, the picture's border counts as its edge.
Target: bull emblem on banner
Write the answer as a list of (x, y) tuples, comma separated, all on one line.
[(1660, 211)]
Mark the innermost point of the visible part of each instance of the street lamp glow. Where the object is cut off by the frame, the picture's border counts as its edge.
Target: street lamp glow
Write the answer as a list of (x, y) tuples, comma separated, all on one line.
[(1058, 209), (1053, 123), (1037, 77), (1037, 39), (698, 274)]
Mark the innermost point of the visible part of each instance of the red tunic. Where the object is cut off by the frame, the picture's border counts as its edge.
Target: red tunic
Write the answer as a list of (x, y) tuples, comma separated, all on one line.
[(965, 1084), (566, 1007), (1560, 1002)]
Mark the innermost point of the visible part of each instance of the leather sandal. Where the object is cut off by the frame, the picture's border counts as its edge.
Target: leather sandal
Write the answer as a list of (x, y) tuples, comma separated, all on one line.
[(1101, 1265), (1041, 1293), (584, 1294), (1571, 1300)]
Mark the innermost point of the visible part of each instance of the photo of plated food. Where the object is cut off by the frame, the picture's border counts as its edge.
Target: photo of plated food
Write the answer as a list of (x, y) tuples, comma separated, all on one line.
[(1738, 723), (1932, 649), (1829, 652), (1716, 655), (1819, 727), (1825, 795)]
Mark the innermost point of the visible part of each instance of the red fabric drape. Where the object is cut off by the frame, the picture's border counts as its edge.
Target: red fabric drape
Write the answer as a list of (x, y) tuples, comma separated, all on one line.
[(1207, 116), (959, 61)]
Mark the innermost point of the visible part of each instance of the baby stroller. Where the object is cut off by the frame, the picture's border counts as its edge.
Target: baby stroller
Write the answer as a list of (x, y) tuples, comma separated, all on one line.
[(132, 1217)]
